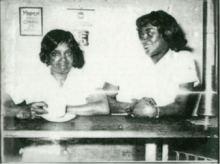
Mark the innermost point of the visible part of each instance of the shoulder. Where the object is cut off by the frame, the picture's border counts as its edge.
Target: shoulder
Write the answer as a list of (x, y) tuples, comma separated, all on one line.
[(184, 55), (76, 73), (184, 58), (34, 76), (185, 66)]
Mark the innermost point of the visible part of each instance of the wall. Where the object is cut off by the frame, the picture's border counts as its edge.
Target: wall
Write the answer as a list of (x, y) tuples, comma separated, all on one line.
[(112, 36)]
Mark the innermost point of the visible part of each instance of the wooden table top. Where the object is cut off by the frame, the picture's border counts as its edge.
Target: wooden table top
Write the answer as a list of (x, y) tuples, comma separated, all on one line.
[(106, 127)]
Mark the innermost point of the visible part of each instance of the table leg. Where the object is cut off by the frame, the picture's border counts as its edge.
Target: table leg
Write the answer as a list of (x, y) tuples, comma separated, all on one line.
[(150, 152), (165, 151)]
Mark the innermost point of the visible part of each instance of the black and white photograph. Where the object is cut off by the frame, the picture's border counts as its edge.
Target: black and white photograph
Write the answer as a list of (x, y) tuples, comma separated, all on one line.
[(112, 81)]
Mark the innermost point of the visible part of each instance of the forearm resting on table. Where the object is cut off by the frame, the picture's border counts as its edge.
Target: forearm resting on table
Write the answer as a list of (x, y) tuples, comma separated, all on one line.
[(98, 105), (10, 108), (178, 108), (171, 109), (116, 106)]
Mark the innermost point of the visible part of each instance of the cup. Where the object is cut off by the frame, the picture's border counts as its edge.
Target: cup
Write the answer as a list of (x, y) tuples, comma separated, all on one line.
[(56, 108)]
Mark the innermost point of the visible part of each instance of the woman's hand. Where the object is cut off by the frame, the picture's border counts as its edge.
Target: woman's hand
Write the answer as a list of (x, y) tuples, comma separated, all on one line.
[(31, 110), (24, 112), (38, 108), (145, 107)]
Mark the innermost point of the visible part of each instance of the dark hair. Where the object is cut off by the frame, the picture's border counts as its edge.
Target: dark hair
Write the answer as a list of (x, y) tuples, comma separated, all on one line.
[(55, 37), (167, 26)]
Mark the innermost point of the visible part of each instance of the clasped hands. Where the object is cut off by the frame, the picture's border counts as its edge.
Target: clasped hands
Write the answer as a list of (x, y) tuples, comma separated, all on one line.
[(145, 107), (31, 110)]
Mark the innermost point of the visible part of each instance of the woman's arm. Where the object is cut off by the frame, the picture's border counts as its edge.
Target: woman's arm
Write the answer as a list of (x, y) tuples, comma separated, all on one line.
[(142, 108), (9, 107), (97, 104), (115, 106), (21, 110), (178, 108)]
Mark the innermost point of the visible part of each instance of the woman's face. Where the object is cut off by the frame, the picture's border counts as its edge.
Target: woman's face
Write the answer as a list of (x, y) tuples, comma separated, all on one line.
[(154, 44), (61, 59)]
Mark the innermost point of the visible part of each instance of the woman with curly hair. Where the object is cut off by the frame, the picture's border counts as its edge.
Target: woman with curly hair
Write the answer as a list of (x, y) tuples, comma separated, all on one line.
[(153, 89), (61, 81)]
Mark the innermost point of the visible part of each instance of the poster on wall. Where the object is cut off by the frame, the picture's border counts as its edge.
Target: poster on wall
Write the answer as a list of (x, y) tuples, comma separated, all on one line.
[(83, 21), (31, 22)]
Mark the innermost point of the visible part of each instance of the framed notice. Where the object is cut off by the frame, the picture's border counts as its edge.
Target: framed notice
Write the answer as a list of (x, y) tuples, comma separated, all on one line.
[(31, 21)]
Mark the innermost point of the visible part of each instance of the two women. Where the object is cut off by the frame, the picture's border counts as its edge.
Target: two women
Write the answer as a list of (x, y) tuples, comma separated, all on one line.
[(154, 93)]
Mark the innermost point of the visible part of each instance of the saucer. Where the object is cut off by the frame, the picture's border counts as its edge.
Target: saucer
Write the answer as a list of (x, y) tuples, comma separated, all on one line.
[(65, 118)]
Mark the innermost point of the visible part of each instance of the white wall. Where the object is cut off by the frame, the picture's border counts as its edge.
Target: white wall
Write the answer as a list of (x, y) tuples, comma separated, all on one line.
[(113, 37)]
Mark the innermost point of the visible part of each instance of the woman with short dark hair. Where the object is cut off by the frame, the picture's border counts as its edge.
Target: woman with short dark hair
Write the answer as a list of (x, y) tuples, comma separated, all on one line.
[(55, 37), (167, 27), (61, 81), (155, 88)]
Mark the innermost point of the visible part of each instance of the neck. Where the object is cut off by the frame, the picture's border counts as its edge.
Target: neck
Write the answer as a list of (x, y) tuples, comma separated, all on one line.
[(157, 57), (59, 77)]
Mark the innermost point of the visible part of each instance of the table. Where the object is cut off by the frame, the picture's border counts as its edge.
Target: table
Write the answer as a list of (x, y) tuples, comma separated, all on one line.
[(109, 127)]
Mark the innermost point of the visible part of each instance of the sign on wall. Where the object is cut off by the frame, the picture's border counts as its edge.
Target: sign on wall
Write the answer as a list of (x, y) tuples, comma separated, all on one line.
[(83, 38), (83, 21), (82, 17), (31, 21)]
